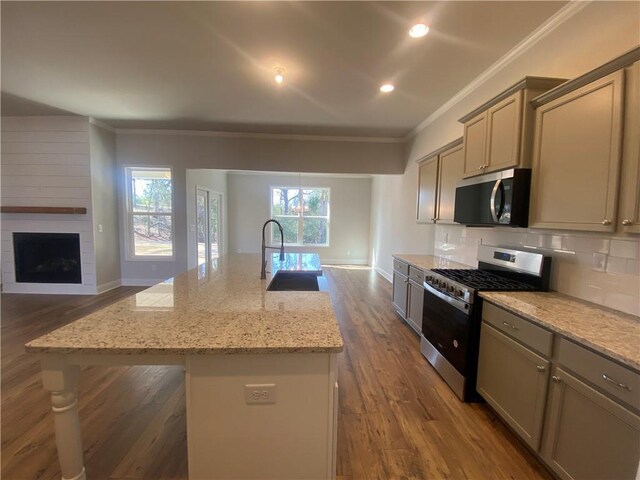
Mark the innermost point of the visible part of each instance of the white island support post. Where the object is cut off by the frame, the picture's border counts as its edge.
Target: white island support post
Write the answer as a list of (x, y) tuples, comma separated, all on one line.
[(61, 379)]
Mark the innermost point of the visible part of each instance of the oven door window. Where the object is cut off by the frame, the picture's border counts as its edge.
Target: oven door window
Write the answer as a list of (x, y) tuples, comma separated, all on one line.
[(448, 329)]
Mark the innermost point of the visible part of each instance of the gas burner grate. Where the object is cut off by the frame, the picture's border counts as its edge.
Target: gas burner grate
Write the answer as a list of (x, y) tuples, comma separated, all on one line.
[(481, 280)]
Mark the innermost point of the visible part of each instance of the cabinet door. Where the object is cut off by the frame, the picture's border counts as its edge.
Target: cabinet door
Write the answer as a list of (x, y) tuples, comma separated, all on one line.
[(475, 142), (513, 380), (414, 310), (428, 181), (588, 436), (576, 159), (629, 218), (451, 172), (504, 122), (400, 293)]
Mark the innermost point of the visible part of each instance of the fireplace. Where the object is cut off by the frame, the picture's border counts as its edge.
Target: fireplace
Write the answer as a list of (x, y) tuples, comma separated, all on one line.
[(47, 257)]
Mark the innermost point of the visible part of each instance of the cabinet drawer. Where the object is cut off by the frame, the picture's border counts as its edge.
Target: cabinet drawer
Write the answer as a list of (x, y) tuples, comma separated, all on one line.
[(416, 275), (523, 330), (400, 267), (621, 382)]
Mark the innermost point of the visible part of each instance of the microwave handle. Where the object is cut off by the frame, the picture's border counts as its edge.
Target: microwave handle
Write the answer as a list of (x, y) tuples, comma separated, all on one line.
[(492, 202)]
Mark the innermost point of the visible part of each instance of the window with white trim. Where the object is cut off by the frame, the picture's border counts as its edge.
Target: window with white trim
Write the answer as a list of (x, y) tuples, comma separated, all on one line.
[(149, 212), (304, 218)]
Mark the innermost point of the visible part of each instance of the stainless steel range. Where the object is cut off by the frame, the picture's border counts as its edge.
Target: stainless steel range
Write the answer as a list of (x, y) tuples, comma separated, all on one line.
[(453, 309)]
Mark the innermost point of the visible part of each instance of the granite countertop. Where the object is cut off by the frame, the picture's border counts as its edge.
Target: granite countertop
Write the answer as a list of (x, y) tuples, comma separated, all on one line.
[(427, 262), (219, 309), (612, 333)]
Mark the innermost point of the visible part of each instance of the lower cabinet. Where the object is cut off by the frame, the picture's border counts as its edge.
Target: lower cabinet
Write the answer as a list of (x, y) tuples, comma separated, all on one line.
[(577, 409), (513, 380), (416, 301), (589, 436), (400, 285)]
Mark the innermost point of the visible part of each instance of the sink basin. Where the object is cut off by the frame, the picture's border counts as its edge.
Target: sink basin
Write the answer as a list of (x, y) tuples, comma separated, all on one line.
[(294, 281)]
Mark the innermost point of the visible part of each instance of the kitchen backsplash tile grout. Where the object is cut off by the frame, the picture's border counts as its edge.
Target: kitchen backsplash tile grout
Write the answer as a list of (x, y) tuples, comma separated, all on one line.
[(600, 268)]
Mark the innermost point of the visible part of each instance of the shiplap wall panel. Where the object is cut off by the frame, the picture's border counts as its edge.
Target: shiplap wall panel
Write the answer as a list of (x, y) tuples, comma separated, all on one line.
[(40, 181), (46, 162), (25, 147), (58, 123), (45, 159), (46, 170), (44, 137)]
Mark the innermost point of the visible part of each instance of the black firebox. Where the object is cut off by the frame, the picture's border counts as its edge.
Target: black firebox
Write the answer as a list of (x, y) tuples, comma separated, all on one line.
[(47, 257)]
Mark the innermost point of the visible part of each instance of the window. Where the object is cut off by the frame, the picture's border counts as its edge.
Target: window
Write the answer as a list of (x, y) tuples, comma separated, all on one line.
[(149, 212), (304, 219)]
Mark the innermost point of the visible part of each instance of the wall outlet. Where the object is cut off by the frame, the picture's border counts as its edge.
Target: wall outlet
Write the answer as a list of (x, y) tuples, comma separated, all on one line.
[(348, 253), (99, 228), (260, 393), (193, 228)]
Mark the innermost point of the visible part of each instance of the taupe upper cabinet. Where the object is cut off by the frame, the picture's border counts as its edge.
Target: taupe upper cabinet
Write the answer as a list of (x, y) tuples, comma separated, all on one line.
[(586, 134), (497, 135), (427, 186), (438, 174), (629, 217)]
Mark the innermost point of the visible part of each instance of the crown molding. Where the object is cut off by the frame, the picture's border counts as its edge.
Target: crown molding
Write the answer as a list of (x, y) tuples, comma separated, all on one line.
[(561, 16), (262, 136), (100, 124)]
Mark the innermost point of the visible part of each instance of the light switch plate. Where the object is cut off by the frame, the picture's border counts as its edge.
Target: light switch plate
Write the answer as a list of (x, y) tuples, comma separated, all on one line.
[(260, 393)]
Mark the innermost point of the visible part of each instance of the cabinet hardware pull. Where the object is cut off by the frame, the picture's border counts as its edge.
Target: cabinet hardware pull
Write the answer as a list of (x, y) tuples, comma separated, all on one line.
[(556, 378), (540, 368), (615, 382), (606, 221), (507, 324), (626, 222)]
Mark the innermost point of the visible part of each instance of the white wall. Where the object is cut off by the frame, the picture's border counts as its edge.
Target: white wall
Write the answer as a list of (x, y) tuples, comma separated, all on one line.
[(214, 181), (595, 34), (105, 207), (46, 162), (203, 150), (350, 213)]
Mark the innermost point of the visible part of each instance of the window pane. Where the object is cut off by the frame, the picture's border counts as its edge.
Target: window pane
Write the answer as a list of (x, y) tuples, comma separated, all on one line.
[(290, 227), (316, 202), (152, 235), (284, 201), (214, 225), (314, 231), (201, 226), (151, 190)]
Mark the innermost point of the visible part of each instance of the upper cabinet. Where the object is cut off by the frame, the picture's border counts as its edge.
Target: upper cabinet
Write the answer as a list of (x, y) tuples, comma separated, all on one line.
[(438, 174), (585, 171), (497, 135), (629, 217)]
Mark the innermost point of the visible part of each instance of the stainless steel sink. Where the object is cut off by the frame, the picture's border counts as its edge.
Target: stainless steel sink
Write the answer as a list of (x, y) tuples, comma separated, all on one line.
[(294, 281)]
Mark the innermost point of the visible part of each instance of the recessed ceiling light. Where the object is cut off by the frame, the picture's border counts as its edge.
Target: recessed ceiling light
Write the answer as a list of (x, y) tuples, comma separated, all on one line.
[(279, 75), (418, 30), (386, 88)]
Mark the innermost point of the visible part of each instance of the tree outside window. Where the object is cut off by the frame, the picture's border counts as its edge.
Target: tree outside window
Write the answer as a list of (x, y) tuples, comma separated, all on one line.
[(149, 205), (303, 213)]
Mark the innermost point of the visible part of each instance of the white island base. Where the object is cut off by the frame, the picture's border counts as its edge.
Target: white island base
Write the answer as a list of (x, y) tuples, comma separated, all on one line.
[(293, 437)]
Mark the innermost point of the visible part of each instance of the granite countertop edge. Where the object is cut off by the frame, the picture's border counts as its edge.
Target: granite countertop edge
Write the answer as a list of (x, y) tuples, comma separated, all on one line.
[(608, 351)]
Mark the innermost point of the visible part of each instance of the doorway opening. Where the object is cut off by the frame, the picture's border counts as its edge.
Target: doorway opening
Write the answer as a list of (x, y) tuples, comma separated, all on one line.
[(208, 225)]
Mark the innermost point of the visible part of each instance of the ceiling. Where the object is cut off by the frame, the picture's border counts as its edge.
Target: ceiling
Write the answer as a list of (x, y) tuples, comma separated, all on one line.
[(209, 65)]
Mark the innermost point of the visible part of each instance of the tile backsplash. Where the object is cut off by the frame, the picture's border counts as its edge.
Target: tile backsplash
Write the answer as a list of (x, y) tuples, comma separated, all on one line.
[(602, 269)]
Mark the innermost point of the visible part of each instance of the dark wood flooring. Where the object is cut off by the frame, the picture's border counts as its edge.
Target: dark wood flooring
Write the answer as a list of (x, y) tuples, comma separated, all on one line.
[(397, 418)]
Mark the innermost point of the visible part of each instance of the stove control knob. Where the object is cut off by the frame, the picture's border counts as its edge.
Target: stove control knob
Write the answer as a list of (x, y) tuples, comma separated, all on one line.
[(428, 279), (460, 293), (451, 288)]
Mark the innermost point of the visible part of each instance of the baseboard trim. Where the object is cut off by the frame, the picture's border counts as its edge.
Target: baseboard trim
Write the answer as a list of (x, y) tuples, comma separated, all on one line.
[(343, 261), (141, 282), (105, 287), (384, 274), (49, 288)]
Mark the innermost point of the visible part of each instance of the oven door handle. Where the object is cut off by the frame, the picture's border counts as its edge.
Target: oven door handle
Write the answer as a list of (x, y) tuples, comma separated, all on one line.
[(459, 304)]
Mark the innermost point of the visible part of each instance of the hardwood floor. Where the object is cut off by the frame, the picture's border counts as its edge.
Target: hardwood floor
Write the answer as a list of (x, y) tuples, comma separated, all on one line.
[(397, 418)]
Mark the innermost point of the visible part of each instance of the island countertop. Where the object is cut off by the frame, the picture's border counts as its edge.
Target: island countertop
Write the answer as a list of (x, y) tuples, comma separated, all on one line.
[(221, 309)]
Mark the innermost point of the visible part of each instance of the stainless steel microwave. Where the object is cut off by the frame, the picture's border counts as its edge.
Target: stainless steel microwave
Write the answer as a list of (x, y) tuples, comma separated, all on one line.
[(500, 198)]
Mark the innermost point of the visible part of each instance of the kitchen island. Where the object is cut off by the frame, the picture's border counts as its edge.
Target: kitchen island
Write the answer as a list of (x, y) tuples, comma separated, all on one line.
[(260, 367)]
